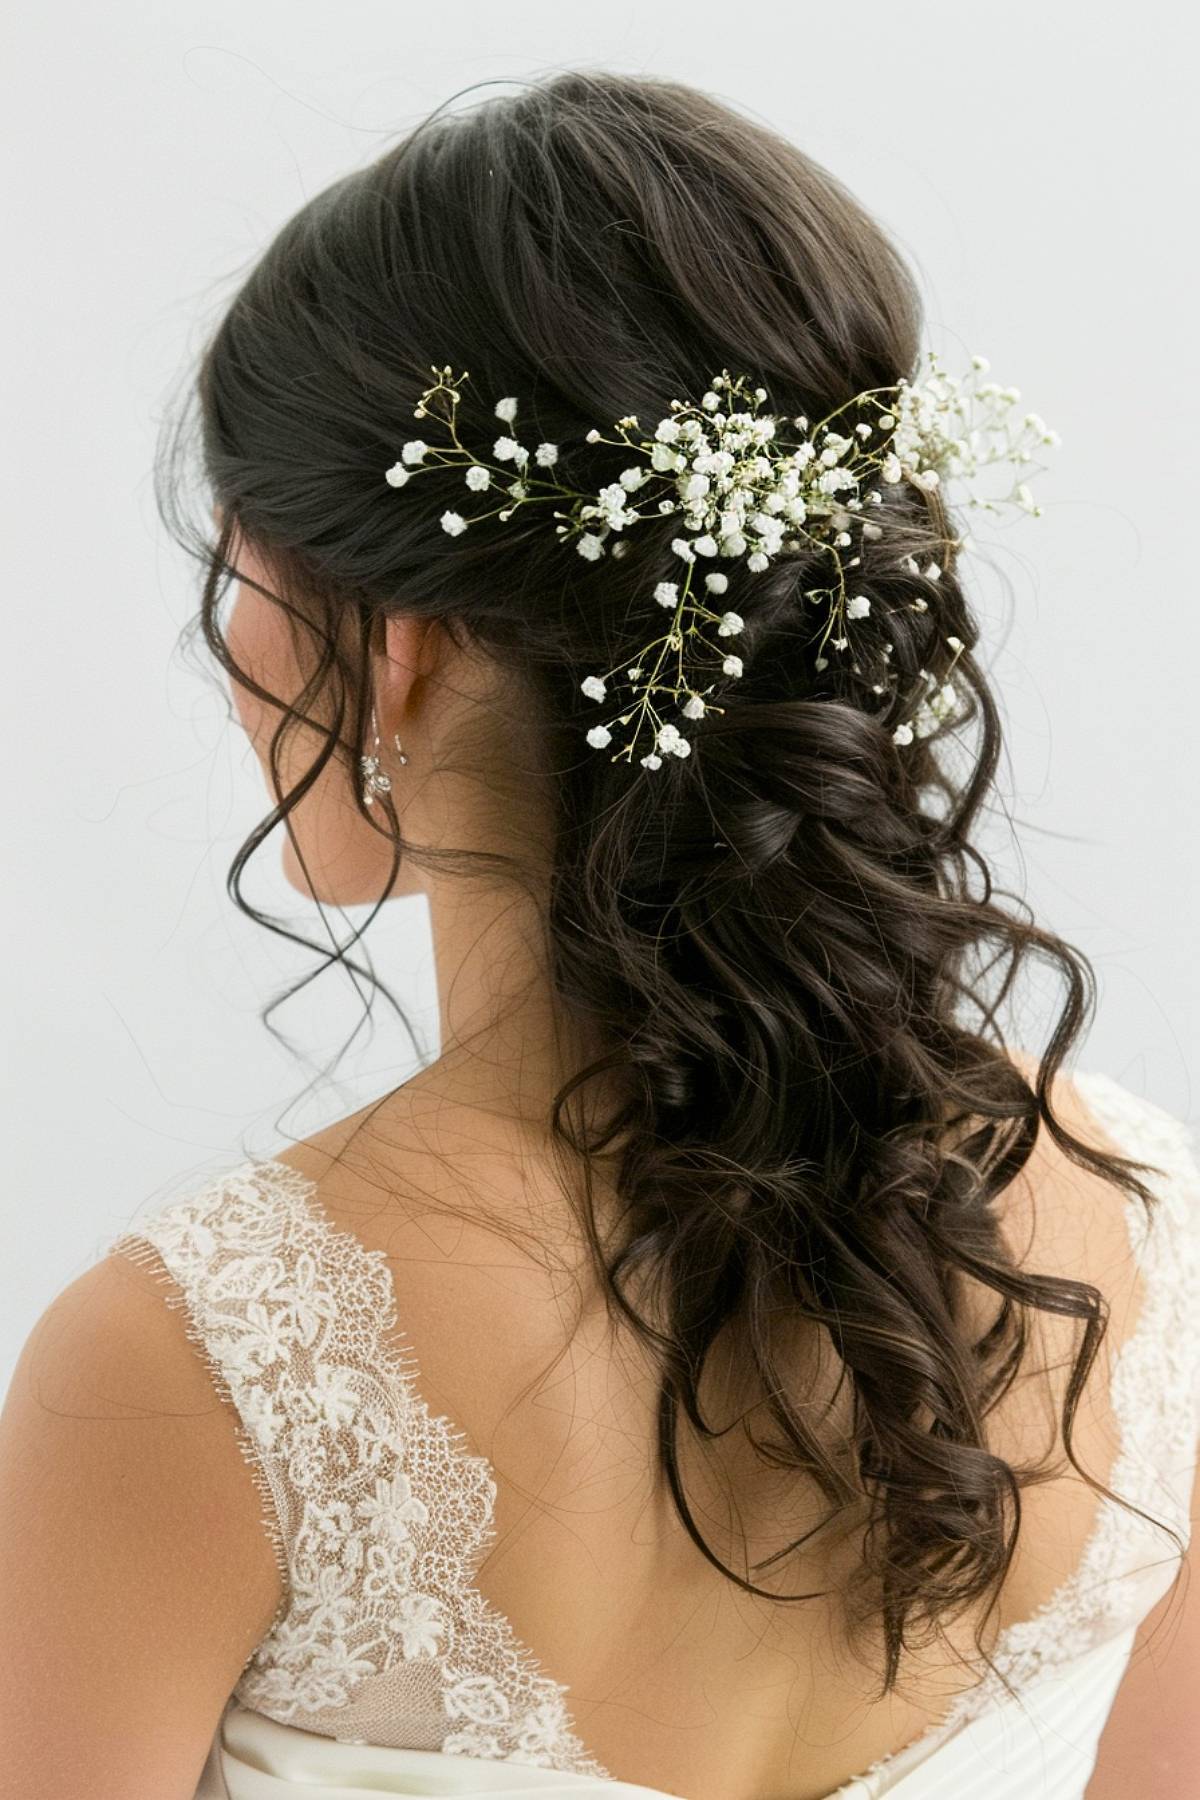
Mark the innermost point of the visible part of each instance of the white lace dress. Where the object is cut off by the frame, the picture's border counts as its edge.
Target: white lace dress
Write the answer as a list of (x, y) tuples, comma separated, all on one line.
[(386, 1671)]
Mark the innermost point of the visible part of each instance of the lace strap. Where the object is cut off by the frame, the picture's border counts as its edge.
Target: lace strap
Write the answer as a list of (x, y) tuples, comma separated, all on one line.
[(185, 1244), (379, 1512)]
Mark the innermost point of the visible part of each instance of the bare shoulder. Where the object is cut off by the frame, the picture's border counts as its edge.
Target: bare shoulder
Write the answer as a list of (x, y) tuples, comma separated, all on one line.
[(1060, 1218), (135, 1573)]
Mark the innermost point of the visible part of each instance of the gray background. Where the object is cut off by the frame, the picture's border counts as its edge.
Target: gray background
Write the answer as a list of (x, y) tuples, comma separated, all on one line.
[(1033, 163)]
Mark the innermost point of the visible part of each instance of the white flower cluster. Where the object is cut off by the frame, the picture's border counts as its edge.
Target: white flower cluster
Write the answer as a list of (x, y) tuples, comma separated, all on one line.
[(746, 494)]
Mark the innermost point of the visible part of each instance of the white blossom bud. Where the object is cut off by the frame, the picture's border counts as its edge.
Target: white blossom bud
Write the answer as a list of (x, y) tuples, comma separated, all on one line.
[(547, 455), (507, 409), (593, 687), (397, 475), (478, 477), (598, 736), (705, 546), (731, 623), (667, 593), (590, 546), (414, 451), (903, 734), (454, 523), (732, 665), (681, 547), (694, 708), (652, 761), (716, 583), (858, 607)]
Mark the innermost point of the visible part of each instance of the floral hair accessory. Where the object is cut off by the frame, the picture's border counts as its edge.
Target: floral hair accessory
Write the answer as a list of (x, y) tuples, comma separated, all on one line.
[(746, 494)]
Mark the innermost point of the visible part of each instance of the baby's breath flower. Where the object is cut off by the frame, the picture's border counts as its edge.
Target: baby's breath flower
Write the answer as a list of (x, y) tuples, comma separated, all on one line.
[(668, 738), (598, 736), (742, 491)]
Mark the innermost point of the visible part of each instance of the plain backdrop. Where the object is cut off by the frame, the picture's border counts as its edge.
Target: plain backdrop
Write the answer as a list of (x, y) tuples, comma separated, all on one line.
[(1034, 162)]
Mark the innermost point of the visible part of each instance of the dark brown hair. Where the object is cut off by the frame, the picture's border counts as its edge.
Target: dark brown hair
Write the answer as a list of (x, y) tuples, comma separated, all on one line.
[(789, 940)]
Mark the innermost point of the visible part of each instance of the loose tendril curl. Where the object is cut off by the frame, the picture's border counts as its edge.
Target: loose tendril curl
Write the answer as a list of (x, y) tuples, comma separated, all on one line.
[(748, 492)]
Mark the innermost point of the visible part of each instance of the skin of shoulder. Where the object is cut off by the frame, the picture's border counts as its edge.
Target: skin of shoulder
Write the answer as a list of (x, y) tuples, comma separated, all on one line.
[(136, 1576)]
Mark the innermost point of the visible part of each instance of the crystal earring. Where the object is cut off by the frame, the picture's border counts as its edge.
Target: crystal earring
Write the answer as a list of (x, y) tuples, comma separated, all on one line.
[(374, 779)]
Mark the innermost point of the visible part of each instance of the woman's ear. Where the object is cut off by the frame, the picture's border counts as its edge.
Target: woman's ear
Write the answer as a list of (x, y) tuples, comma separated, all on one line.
[(411, 650)]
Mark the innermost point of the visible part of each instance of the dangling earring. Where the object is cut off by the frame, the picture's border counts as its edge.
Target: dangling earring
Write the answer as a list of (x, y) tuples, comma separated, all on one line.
[(399, 747), (374, 779)]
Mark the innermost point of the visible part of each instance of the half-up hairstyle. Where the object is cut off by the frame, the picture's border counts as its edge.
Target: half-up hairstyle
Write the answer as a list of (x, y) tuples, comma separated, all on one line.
[(788, 939)]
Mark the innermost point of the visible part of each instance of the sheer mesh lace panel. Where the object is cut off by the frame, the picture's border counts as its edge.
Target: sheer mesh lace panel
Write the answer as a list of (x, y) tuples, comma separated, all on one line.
[(378, 1514)]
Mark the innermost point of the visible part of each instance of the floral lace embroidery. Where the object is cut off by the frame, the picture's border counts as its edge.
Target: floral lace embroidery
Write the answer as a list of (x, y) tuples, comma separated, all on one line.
[(377, 1514)]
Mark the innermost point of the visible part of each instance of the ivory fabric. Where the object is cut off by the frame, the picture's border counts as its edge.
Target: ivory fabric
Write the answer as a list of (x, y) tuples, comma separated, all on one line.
[(385, 1670)]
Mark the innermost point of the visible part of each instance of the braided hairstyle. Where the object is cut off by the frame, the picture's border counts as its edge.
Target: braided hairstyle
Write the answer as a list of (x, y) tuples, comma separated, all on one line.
[(780, 937)]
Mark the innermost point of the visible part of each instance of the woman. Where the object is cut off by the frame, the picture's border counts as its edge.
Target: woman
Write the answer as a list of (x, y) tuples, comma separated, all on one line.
[(702, 1378)]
